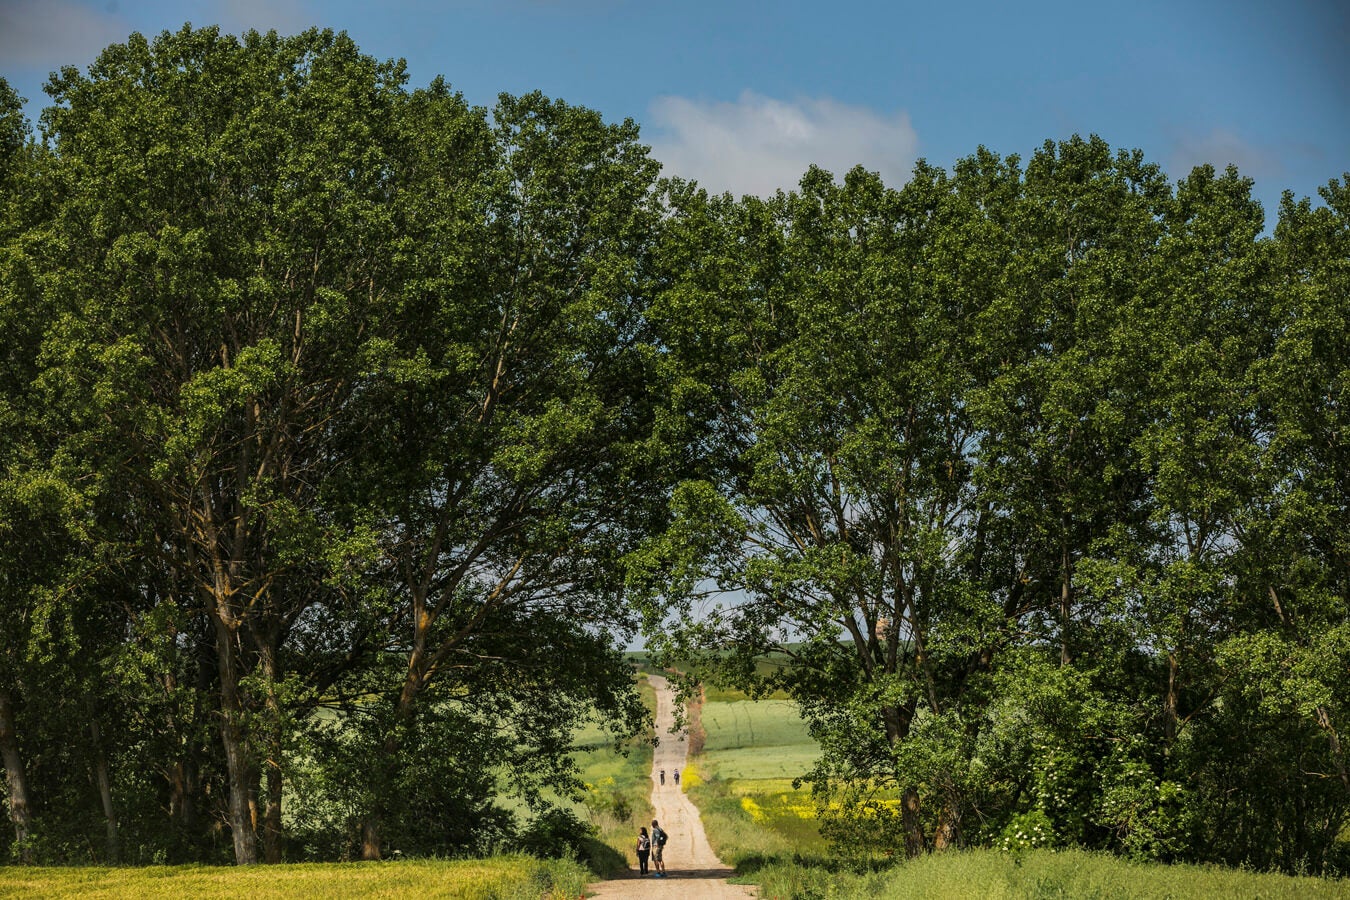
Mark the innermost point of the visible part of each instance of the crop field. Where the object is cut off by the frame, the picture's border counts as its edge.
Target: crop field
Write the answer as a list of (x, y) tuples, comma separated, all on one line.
[(757, 739), (500, 878)]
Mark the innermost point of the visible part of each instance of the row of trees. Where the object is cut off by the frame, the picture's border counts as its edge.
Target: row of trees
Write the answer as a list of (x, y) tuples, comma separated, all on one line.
[(1062, 453), (350, 429), (326, 424)]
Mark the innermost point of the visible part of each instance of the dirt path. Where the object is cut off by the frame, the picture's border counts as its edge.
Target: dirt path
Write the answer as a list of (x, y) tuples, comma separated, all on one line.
[(693, 871)]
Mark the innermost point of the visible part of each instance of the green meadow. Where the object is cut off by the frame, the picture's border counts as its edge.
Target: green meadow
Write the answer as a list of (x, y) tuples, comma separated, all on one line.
[(749, 740)]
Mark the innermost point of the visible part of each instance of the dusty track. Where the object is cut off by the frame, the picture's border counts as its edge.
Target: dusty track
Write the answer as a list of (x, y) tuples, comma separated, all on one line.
[(693, 871)]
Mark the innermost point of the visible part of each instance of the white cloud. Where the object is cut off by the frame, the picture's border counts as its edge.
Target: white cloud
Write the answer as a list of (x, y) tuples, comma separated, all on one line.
[(1220, 148), (53, 33), (758, 144)]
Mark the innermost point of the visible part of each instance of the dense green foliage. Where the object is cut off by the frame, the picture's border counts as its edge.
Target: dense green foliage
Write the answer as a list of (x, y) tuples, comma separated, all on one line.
[(1039, 475), (344, 422), (767, 831)]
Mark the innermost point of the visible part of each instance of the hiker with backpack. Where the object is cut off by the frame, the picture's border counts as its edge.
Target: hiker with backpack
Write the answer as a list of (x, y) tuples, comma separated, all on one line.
[(659, 838), (644, 849)]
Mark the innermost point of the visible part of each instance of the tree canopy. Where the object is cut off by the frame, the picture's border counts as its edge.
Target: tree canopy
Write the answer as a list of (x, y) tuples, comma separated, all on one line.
[(1003, 463)]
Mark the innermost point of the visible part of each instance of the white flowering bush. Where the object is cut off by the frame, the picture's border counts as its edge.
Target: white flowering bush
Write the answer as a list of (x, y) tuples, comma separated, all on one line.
[(1030, 830)]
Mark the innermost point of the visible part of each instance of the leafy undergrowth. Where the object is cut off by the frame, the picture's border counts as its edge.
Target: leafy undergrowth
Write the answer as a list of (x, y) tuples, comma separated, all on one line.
[(499, 878), (615, 798), (767, 830), (1039, 874)]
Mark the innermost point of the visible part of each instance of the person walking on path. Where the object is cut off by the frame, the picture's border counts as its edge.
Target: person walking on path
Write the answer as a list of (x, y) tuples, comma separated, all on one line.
[(663, 777), (644, 849), (658, 846)]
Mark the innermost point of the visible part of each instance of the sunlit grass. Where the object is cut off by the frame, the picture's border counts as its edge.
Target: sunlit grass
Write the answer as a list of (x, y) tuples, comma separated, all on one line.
[(619, 789), (1040, 874), (500, 878)]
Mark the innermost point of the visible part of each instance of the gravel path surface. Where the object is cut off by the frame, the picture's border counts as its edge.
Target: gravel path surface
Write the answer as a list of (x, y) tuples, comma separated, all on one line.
[(693, 871)]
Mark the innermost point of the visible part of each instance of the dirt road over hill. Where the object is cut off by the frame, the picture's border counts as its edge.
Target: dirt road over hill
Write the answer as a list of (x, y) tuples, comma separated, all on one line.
[(693, 871)]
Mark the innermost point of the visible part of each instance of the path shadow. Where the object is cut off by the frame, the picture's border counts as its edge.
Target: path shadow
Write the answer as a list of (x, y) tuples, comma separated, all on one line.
[(719, 873), (602, 858)]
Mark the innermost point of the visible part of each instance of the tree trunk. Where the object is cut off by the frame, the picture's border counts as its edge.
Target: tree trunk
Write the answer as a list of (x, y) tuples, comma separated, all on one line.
[(111, 838), (1337, 755), (272, 836), (948, 833), (370, 837), (19, 810), (236, 754), (1065, 604), (897, 720), (1171, 701), (909, 818), (413, 681), (272, 816)]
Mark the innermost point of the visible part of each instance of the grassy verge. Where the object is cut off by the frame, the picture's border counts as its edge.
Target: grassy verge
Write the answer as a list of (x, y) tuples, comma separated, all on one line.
[(1040, 874), (751, 826), (618, 793), (500, 878)]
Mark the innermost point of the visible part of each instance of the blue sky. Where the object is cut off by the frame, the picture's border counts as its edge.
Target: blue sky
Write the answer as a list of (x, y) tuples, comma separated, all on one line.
[(743, 95)]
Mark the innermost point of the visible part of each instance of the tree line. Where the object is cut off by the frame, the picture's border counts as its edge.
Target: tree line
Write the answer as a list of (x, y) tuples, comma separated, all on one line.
[(352, 430)]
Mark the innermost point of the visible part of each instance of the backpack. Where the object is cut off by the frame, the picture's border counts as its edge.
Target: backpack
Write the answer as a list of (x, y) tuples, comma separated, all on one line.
[(660, 836)]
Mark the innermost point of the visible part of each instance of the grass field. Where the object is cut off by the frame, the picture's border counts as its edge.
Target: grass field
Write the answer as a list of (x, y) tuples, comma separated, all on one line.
[(500, 878), (763, 739)]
